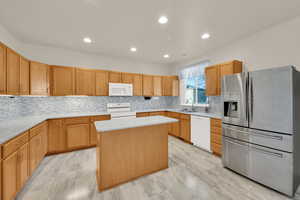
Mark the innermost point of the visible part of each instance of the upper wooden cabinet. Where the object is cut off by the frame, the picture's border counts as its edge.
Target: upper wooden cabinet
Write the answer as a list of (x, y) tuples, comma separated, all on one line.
[(39, 78), (115, 77), (13, 72), (85, 82), (102, 82), (2, 69), (157, 86), (24, 76), (215, 73), (170, 86), (148, 85), (136, 80), (62, 80)]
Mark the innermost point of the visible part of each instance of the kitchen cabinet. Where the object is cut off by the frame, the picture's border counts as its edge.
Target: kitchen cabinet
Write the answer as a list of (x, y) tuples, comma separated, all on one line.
[(39, 78), (214, 74), (147, 85), (23, 166), (136, 80), (13, 72), (37, 145), (174, 128), (212, 79), (157, 86), (24, 76), (142, 114), (216, 136), (170, 86), (2, 68), (62, 80), (185, 127), (93, 136), (56, 136), (157, 113), (77, 132), (85, 82), (102, 82), (9, 181), (115, 77)]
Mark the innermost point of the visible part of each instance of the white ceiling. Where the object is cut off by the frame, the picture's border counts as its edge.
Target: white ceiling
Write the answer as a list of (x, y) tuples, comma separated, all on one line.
[(116, 25)]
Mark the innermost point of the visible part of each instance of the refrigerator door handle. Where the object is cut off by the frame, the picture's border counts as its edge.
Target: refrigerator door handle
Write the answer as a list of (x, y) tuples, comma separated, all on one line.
[(266, 152), (257, 134), (251, 99), (247, 98)]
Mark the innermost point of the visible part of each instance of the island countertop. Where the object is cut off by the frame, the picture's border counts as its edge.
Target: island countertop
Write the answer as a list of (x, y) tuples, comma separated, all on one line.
[(118, 124)]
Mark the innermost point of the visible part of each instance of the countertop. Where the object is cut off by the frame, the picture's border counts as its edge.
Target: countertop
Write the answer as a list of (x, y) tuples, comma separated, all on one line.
[(12, 128), (119, 124)]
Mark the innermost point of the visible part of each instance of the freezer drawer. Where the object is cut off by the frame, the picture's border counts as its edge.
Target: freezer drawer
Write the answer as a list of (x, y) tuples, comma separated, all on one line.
[(272, 168), (236, 155), (267, 166), (264, 138)]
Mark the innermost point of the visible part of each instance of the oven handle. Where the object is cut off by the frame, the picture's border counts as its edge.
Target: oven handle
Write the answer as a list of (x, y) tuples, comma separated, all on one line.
[(257, 134)]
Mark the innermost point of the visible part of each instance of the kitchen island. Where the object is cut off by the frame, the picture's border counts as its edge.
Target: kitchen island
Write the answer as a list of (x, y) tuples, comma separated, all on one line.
[(130, 148)]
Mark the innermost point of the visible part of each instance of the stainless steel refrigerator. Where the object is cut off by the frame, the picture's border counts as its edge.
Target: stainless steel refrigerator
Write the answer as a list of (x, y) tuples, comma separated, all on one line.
[(261, 126)]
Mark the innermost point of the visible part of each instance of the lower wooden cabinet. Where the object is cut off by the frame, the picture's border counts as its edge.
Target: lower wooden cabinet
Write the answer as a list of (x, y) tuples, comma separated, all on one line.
[(56, 136), (157, 113), (216, 136), (93, 136), (142, 114), (174, 128), (78, 135), (185, 127), (15, 172)]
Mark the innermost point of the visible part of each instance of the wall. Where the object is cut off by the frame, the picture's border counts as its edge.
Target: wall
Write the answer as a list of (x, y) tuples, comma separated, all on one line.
[(20, 106), (59, 56), (275, 46)]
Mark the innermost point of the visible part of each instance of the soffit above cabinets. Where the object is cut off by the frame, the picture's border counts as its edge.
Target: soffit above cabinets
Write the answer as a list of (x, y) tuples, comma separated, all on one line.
[(115, 26)]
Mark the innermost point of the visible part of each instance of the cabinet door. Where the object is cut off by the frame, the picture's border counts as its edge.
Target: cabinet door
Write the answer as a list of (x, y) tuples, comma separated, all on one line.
[(44, 148), (175, 87), (115, 77), (62, 81), (147, 85), (157, 85), (167, 86), (13, 72), (56, 136), (85, 82), (78, 135), (23, 166), (127, 78), (185, 132), (24, 76), (39, 79), (93, 136), (230, 68), (35, 152), (212, 75), (137, 85), (101, 83), (9, 181), (2, 69)]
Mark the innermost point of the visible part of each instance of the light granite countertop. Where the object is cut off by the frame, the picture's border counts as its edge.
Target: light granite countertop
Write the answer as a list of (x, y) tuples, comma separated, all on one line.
[(13, 127), (119, 124)]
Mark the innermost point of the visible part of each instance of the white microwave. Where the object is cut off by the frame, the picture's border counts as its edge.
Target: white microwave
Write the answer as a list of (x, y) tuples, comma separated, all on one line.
[(120, 89)]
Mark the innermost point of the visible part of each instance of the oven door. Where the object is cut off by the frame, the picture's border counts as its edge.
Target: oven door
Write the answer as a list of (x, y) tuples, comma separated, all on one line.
[(234, 99)]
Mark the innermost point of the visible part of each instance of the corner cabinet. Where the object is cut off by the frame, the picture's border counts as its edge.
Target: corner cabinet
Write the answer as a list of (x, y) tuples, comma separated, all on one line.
[(215, 73), (24, 76), (39, 79), (170, 86)]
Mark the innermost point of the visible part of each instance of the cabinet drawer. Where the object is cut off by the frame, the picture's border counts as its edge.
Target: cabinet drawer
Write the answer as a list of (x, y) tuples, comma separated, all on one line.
[(77, 120), (14, 144), (216, 148), (185, 116), (216, 138), (215, 122), (100, 118), (157, 113), (216, 130), (38, 129)]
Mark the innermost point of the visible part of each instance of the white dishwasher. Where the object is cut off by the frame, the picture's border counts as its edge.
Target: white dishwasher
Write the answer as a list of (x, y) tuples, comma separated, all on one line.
[(200, 132)]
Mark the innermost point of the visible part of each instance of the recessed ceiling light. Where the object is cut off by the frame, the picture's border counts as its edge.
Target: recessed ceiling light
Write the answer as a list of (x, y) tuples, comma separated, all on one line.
[(87, 40), (133, 49), (163, 20), (205, 36), (166, 56)]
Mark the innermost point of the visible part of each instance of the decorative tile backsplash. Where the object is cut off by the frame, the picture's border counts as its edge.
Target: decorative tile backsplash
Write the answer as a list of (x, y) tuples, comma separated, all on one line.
[(18, 106)]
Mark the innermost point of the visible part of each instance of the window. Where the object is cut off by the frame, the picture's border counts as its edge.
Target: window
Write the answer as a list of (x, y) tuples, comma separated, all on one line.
[(193, 84)]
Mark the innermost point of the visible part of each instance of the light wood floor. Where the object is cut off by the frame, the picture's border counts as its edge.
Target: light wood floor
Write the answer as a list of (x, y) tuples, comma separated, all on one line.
[(192, 174)]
